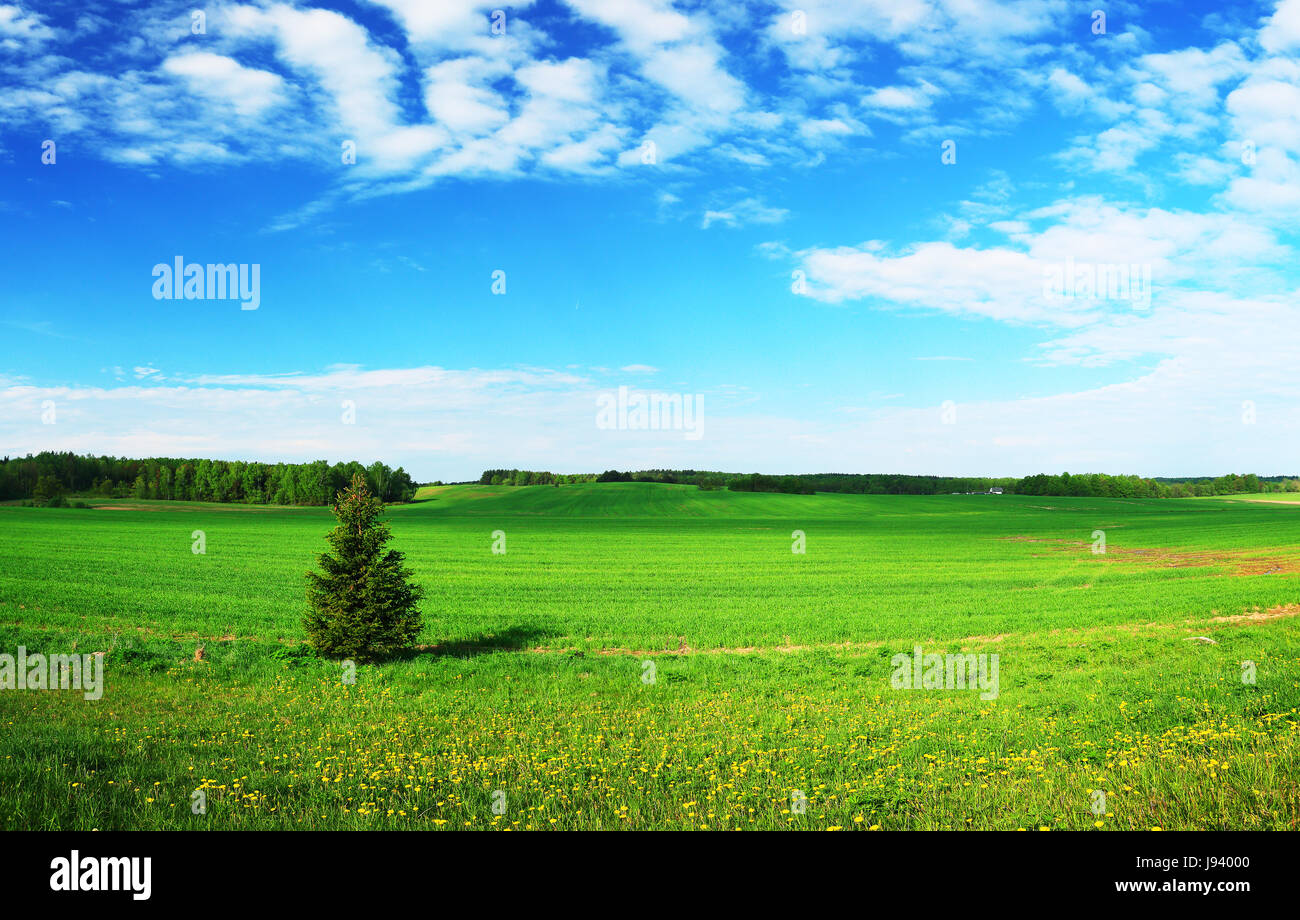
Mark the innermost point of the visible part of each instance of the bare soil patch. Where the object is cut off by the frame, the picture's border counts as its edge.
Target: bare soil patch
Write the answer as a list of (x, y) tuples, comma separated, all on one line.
[(1241, 563), (1273, 613)]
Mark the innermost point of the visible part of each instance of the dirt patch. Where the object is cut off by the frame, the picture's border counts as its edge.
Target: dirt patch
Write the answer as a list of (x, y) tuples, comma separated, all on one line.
[(1273, 613), (1240, 563), (741, 650), (983, 640), (788, 647)]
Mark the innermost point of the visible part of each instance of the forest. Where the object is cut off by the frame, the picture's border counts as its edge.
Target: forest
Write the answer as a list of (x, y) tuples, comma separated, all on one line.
[(48, 476)]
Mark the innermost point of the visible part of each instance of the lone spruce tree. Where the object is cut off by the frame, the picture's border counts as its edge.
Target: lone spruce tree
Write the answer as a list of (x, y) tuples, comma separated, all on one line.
[(363, 604)]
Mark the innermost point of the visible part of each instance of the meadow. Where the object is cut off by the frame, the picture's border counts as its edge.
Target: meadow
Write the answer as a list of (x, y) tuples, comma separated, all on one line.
[(529, 703)]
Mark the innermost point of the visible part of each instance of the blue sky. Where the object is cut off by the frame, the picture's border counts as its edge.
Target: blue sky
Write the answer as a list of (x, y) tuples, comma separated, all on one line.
[(747, 203)]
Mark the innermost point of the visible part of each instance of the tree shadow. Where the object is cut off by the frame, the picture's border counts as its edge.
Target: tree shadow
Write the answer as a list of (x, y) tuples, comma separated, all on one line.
[(514, 639)]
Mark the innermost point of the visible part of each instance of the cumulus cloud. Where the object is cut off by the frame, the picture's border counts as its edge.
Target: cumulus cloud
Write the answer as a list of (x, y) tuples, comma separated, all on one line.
[(1281, 33), (248, 91)]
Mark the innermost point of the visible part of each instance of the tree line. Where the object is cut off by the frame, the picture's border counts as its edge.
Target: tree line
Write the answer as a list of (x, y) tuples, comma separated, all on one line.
[(544, 478), (1104, 485), (531, 478), (49, 476), (1097, 485), (801, 484)]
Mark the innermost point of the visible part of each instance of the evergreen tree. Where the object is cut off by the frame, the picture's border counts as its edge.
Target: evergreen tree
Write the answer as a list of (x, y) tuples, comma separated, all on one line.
[(363, 604)]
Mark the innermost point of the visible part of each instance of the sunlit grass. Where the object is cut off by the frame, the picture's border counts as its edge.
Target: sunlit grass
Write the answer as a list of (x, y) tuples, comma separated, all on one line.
[(771, 669)]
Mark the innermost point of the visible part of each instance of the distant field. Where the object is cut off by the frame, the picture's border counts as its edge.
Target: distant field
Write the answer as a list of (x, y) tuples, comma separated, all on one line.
[(772, 669), (1279, 497)]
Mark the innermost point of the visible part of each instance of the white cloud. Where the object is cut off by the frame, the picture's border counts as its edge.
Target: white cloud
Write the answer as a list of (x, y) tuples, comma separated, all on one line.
[(898, 97), (1182, 250), (1267, 111), (1192, 77), (20, 28), (1195, 169), (744, 212), (695, 75), (1282, 31), (221, 78), (461, 26), (358, 79), (1270, 188), (1000, 284), (460, 96)]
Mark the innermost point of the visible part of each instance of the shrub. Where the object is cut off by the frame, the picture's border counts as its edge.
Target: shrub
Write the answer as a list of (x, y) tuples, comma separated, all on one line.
[(47, 487), (292, 655), (363, 604)]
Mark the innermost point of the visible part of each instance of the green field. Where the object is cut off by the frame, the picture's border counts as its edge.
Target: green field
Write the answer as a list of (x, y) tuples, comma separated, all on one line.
[(1269, 497), (771, 669)]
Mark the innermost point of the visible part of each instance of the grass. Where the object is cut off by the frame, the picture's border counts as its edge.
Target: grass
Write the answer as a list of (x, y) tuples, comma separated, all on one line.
[(772, 669), (1272, 497)]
